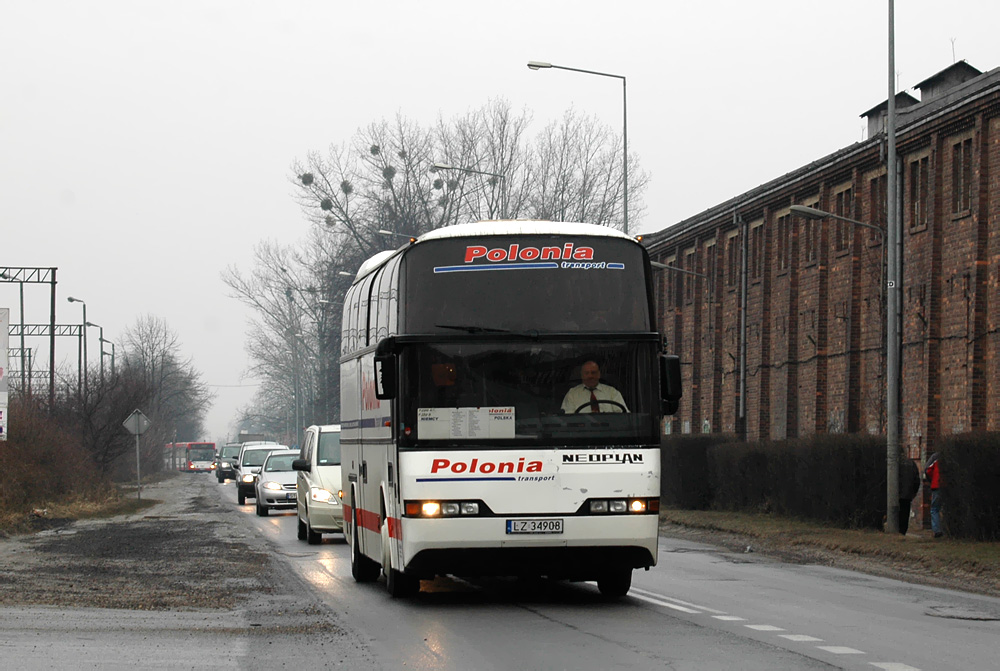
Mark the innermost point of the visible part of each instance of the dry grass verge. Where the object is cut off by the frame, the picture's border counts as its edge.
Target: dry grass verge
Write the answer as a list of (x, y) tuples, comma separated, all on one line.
[(916, 557), (105, 502)]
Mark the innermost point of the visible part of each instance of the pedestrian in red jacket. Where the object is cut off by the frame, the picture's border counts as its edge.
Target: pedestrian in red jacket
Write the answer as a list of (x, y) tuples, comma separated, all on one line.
[(932, 476)]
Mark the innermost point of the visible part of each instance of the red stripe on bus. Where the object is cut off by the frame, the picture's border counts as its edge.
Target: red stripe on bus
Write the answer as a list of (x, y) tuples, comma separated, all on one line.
[(367, 519)]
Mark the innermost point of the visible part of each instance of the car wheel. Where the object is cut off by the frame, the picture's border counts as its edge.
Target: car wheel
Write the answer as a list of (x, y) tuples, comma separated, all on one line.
[(362, 568), (241, 497), (615, 583), (399, 584), (302, 529), (261, 510), (312, 537)]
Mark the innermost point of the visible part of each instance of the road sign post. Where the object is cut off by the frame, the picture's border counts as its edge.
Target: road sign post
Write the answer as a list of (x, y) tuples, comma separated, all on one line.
[(137, 423)]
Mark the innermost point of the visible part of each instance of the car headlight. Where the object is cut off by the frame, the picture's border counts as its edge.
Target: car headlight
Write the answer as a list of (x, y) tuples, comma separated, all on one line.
[(323, 496), (226, 464), (249, 477), (272, 486)]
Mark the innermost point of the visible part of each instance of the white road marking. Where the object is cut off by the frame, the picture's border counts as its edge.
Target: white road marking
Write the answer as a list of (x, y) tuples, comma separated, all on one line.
[(840, 650), (894, 666), (763, 627), (730, 618), (678, 601), (802, 638), (666, 604)]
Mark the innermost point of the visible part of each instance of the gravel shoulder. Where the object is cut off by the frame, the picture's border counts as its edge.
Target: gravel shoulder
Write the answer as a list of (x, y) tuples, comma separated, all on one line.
[(188, 552)]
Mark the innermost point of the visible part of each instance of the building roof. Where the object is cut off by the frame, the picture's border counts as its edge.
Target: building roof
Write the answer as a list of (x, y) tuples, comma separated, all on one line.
[(907, 119), (959, 72), (903, 99)]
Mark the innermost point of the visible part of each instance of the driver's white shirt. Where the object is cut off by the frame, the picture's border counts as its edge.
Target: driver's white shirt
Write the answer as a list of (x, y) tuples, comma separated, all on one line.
[(579, 395)]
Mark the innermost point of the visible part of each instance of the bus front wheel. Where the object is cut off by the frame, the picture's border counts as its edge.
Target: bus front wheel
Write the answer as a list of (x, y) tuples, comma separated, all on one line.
[(362, 568), (399, 584), (615, 583)]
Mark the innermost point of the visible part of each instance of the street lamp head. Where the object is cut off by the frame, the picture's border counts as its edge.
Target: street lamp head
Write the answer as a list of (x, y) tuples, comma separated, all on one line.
[(538, 65), (96, 326), (73, 300), (442, 166), (808, 212), (344, 273)]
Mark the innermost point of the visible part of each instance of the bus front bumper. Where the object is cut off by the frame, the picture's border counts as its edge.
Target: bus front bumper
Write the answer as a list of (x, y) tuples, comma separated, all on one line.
[(588, 546)]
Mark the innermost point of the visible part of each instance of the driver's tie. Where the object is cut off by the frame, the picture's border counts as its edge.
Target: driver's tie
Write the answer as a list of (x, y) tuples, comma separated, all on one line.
[(594, 405)]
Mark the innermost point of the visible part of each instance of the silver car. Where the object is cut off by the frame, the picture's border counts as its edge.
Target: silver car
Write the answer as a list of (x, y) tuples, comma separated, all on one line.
[(275, 486), (248, 467)]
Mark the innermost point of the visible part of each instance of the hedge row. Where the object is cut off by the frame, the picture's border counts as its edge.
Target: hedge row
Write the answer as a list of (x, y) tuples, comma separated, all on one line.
[(839, 479), (833, 478), (970, 489)]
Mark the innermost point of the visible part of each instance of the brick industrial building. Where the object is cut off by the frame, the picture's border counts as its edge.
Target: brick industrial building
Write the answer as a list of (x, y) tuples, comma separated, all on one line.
[(780, 323)]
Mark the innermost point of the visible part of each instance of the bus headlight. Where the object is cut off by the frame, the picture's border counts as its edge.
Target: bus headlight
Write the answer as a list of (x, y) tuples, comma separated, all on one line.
[(442, 508), (636, 506)]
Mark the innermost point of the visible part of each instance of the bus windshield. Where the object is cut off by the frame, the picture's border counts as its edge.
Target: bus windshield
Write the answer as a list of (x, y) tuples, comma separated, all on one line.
[(559, 284), (201, 454), (493, 394)]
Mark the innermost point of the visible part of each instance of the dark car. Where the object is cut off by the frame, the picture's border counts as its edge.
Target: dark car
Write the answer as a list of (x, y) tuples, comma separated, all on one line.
[(224, 461)]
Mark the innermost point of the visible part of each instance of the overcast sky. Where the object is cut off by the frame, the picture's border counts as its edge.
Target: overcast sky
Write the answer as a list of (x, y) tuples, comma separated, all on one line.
[(146, 146)]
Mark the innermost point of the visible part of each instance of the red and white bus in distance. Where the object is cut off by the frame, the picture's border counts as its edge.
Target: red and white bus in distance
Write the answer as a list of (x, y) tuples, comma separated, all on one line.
[(198, 458), (466, 447)]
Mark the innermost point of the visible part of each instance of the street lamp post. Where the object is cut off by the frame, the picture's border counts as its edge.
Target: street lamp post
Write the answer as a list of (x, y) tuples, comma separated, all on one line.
[(83, 359), (540, 65), (892, 349), (500, 179), (101, 340)]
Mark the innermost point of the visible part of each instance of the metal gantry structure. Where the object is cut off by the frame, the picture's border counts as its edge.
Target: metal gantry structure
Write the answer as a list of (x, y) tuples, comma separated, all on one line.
[(32, 275)]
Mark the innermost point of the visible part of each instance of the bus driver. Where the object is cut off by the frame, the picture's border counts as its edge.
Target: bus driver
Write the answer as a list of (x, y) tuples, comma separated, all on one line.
[(592, 395)]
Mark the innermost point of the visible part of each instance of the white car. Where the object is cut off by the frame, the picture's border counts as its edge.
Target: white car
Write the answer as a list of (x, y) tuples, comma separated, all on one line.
[(248, 467), (320, 497), (276, 482)]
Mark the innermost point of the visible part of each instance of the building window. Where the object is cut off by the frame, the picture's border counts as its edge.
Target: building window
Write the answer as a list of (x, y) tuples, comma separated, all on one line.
[(669, 277), (879, 200), (710, 270), (961, 176), (756, 252), (732, 259), (842, 230), (689, 263), (920, 201), (810, 242), (784, 242)]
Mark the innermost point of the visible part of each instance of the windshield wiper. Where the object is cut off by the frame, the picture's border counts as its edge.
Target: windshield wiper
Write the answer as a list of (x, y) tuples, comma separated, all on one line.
[(471, 329)]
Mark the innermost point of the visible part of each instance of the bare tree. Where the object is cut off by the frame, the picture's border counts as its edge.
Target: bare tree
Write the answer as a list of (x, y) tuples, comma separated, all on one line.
[(384, 179), (179, 399)]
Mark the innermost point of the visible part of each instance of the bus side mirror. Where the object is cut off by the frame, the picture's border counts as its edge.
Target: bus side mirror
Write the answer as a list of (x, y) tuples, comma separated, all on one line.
[(385, 376), (670, 383)]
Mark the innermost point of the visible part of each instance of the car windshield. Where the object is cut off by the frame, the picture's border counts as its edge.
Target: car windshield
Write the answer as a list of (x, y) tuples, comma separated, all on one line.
[(329, 449), (279, 462), (466, 393), (230, 452), (254, 457)]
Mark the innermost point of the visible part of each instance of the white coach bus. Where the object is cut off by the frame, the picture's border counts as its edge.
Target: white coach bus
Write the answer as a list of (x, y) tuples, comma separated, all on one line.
[(502, 391)]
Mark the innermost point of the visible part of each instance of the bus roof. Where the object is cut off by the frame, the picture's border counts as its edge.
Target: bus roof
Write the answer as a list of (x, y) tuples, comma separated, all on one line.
[(498, 227)]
